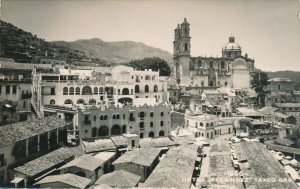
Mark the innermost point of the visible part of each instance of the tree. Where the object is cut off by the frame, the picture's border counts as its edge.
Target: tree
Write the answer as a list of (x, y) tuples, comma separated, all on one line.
[(153, 63), (259, 82)]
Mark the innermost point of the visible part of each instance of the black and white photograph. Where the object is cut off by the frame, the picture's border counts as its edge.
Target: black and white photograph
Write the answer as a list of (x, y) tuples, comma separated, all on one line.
[(173, 94)]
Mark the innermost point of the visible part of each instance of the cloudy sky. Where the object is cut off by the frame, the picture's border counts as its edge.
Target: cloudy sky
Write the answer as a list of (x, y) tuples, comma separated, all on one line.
[(268, 30)]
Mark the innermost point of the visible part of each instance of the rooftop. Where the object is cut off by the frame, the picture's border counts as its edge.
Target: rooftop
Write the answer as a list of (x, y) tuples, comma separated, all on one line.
[(141, 156), (268, 110), (157, 142), (69, 179), (288, 105), (12, 133), (98, 145), (105, 156), (86, 162), (262, 164), (45, 162), (119, 141), (247, 112), (119, 178), (174, 168)]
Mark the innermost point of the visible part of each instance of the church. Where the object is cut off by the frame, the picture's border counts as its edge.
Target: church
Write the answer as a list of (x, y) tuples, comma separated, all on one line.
[(232, 69)]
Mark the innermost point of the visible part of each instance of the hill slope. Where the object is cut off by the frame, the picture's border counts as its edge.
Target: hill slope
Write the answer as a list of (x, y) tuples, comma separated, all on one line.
[(292, 75), (119, 52)]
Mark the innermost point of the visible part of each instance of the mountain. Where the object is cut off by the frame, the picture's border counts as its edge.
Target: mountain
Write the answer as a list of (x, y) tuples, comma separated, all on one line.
[(292, 75), (23, 46), (119, 52)]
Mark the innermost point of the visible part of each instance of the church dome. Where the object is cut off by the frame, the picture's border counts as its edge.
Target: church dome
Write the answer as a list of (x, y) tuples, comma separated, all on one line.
[(232, 45)]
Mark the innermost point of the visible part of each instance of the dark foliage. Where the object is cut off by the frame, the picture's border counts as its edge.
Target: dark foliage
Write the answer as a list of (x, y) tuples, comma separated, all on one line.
[(154, 63), (260, 81)]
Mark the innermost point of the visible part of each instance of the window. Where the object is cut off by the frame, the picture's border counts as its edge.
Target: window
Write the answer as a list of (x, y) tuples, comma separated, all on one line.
[(146, 89), (65, 91), (161, 113), (141, 135), (142, 115), (95, 118), (196, 124), (201, 124), (71, 92), (52, 91), (95, 90), (222, 65), (187, 122), (123, 116), (161, 123), (151, 114), (52, 102), (7, 89), (0, 89), (137, 89), (185, 47), (77, 91), (101, 117), (142, 124), (151, 124), (24, 104), (211, 65), (155, 89), (14, 89), (118, 116), (114, 116), (101, 90)]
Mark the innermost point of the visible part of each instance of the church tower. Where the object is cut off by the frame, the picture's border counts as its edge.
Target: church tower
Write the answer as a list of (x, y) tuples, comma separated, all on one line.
[(182, 56)]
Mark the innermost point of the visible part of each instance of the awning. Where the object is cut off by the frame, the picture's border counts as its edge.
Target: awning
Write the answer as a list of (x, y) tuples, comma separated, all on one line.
[(16, 180), (7, 106)]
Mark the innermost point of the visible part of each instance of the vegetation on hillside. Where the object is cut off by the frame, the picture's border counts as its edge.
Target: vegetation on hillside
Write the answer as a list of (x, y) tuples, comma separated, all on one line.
[(25, 47), (154, 63)]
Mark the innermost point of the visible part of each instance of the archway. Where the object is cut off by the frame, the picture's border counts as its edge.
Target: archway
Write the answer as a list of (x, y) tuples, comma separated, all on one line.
[(151, 134), (65, 91), (155, 89), (125, 91), (80, 101), (137, 89), (87, 90), (52, 102), (92, 101), (68, 101), (161, 133), (125, 100), (115, 130), (71, 92), (103, 131)]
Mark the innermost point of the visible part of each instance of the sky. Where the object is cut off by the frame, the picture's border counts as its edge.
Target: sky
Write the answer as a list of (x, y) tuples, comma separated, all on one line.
[(267, 30)]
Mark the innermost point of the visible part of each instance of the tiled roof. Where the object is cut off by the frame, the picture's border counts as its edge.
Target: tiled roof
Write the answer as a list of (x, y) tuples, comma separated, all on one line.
[(105, 156), (248, 112), (119, 178), (98, 145), (157, 142), (174, 169), (119, 141), (86, 162), (141, 156), (12, 133), (70, 179), (45, 162)]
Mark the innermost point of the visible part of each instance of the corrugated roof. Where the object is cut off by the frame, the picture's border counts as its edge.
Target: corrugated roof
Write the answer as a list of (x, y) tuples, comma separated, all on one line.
[(119, 178), (45, 162), (12, 133), (70, 179), (141, 156)]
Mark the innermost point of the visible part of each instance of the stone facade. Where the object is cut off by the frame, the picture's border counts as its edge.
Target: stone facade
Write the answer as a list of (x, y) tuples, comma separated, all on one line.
[(209, 72)]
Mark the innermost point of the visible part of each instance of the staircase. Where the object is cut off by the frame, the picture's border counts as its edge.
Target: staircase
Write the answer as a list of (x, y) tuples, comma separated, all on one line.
[(34, 106)]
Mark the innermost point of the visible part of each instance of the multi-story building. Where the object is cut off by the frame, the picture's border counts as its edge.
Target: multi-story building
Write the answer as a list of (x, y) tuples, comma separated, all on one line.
[(145, 121), (195, 73), (289, 109), (207, 125), (23, 141), (122, 85), (280, 85)]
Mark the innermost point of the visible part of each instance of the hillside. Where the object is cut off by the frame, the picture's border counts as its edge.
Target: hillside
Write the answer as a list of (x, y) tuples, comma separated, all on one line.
[(23, 46), (119, 52), (292, 75)]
